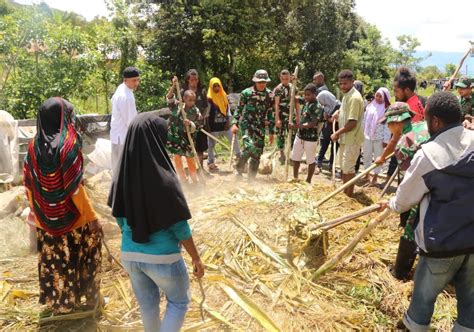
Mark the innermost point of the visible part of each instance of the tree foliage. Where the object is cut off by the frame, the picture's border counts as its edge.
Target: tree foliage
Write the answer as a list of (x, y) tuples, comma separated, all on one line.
[(45, 52)]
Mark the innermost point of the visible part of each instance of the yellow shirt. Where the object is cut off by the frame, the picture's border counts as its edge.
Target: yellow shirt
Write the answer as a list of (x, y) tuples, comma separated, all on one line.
[(81, 201), (352, 108)]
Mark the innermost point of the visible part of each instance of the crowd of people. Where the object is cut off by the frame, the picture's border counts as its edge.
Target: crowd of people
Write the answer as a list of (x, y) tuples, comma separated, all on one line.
[(431, 141)]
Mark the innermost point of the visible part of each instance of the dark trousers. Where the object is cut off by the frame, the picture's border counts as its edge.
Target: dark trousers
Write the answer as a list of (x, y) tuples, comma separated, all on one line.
[(325, 143), (392, 166)]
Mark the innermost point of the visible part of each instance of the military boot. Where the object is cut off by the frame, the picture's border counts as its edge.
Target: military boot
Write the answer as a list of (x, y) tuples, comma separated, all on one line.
[(253, 168)]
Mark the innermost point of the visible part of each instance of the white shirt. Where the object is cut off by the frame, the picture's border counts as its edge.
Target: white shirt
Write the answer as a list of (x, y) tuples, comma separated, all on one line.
[(123, 113)]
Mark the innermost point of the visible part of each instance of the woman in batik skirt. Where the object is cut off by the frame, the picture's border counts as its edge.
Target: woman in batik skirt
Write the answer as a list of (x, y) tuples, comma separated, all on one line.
[(68, 234)]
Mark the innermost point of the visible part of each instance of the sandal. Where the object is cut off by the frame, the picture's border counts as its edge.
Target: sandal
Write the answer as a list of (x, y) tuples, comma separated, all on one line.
[(213, 168)]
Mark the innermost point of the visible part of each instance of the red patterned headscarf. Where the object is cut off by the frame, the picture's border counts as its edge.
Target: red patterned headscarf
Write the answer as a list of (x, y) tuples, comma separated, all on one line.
[(54, 167)]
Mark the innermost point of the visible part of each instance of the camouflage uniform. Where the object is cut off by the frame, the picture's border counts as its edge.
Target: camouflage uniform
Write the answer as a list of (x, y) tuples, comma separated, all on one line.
[(254, 111), (413, 135), (284, 92), (467, 106), (178, 142), (309, 113)]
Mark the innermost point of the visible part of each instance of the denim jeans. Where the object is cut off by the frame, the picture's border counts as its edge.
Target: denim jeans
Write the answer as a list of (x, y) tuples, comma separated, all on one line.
[(211, 144), (431, 277), (147, 280)]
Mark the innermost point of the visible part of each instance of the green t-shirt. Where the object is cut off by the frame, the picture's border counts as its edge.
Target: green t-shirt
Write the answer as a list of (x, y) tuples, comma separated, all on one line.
[(352, 108)]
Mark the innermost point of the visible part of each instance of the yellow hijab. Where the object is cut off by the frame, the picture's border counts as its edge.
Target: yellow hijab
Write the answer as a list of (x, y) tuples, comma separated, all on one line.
[(219, 99)]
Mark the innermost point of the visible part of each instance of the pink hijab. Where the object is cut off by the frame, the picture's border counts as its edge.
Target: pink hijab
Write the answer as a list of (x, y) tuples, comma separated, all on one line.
[(375, 112)]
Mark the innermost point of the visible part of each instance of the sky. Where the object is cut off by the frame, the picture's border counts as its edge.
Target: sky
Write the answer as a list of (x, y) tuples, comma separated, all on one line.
[(437, 25), (445, 26)]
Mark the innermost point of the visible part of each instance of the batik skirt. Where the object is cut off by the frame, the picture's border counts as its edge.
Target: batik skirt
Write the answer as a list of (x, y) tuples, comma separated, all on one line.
[(69, 267)]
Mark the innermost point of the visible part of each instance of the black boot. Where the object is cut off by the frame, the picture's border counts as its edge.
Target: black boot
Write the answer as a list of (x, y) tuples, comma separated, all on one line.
[(240, 166), (253, 168), (405, 259)]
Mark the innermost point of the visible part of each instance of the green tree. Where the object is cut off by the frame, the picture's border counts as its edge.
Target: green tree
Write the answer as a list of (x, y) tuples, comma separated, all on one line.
[(370, 58), (449, 69), (405, 56)]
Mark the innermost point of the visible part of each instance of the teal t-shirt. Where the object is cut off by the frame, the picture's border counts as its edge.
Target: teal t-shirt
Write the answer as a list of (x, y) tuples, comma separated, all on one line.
[(163, 242)]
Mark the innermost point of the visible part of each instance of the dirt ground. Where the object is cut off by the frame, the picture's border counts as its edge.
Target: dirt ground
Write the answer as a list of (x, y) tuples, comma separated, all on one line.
[(358, 294)]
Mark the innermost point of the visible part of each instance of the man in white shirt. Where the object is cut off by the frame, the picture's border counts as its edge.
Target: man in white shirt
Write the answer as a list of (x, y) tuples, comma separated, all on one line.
[(123, 112)]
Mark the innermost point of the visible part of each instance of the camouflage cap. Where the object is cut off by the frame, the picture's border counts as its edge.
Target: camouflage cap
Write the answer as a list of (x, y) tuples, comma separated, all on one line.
[(464, 82), (261, 76), (397, 112)]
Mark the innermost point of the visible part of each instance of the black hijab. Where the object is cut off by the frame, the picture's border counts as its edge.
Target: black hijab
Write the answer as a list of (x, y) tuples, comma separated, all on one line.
[(146, 190), (50, 123)]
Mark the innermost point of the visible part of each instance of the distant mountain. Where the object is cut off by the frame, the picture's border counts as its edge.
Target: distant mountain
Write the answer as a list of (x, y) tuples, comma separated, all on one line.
[(440, 59)]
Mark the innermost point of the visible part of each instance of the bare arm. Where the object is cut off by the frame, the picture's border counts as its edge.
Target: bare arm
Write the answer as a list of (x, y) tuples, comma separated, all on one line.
[(198, 267)]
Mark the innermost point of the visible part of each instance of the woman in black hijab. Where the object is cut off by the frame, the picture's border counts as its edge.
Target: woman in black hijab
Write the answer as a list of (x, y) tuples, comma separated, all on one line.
[(147, 200)]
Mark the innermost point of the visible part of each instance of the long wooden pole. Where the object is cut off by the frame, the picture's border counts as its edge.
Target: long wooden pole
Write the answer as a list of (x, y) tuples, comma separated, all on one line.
[(188, 132), (290, 119), (389, 182), (232, 152), (349, 183), (344, 252), (325, 226), (221, 142), (447, 85)]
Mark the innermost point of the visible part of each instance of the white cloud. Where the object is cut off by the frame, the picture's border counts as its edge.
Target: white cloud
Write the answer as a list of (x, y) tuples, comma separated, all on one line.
[(438, 25), (87, 8)]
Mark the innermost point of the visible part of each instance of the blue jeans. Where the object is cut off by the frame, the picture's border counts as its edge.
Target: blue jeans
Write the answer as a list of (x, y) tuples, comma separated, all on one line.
[(147, 280), (431, 277), (211, 144)]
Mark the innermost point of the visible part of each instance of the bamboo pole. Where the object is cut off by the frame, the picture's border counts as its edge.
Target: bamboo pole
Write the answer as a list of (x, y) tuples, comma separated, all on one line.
[(188, 132), (348, 249), (349, 183), (325, 226), (447, 84), (290, 119), (232, 152), (389, 182), (224, 144)]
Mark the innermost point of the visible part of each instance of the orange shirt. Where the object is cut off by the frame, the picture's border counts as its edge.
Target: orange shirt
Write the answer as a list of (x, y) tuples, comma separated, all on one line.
[(81, 201)]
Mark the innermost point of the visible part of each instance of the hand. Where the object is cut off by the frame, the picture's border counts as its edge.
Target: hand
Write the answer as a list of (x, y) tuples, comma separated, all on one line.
[(198, 268), (235, 129), (278, 124), (95, 226), (380, 160), (383, 205), (335, 116), (292, 125), (270, 139), (174, 80), (447, 85), (335, 137)]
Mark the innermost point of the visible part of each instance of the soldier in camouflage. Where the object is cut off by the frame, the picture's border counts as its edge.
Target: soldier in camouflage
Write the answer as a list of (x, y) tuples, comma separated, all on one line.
[(254, 114), (282, 94), (466, 99), (412, 135)]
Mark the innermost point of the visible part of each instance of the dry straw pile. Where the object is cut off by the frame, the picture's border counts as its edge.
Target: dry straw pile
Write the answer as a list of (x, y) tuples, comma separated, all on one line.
[(261, 256)]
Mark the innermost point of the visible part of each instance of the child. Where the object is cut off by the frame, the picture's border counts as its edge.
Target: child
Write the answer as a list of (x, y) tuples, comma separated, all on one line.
[(306, 141), (219, 120), (178, 143)]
